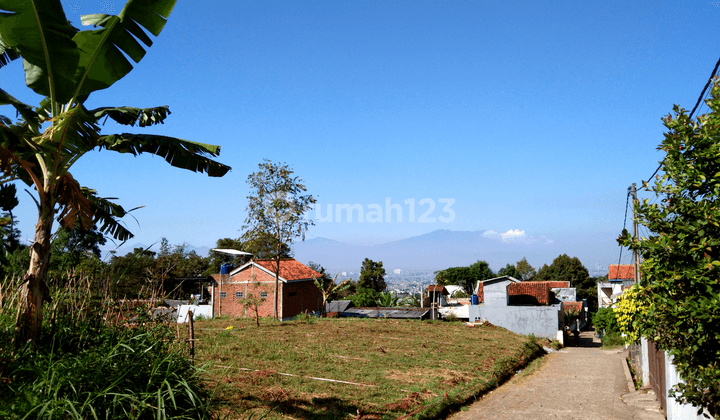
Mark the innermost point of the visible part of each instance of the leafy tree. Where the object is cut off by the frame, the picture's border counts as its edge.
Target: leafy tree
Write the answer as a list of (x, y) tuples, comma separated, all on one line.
[(276, 208), (9, 235), (65, 65), (525, 271), (365, 297), (604, 320), (71, 248), (217, 259), (467, 277), (132, 272), (509, 270), (680, 281), (372, 276), (564, 268), (253, 303)]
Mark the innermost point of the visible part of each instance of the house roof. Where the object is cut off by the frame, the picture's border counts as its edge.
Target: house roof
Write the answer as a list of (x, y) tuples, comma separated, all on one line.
[(529, 293), (621, 272), (572, 306), (290, 269), (437, 288), (338, 306), (557, 284), (481, 290)]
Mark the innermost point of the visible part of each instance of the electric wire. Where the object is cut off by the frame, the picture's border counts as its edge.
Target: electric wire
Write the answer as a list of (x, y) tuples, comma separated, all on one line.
[(700, 99), (627, 204)]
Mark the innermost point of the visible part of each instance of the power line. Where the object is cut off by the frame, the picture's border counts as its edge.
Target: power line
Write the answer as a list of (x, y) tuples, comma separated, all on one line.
[(700, 98), (627, 204)]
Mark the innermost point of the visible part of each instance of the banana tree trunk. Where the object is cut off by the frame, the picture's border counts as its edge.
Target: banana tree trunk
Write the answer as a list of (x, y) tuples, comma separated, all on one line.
[(35, 291)]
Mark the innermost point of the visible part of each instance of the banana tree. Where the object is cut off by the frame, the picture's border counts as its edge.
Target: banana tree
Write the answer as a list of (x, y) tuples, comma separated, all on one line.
[(65, 65)]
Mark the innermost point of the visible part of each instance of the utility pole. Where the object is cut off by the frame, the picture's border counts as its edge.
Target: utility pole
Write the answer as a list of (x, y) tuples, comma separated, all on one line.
[(636, 256)]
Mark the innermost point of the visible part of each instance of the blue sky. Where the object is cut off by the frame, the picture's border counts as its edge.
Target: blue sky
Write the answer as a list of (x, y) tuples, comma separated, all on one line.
[(534, 117)]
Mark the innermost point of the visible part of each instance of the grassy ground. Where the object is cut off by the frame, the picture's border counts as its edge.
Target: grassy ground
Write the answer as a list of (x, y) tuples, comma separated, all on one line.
[(390, 368)]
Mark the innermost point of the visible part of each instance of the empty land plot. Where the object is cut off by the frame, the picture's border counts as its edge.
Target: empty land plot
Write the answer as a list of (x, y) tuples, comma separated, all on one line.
[(332, 368)]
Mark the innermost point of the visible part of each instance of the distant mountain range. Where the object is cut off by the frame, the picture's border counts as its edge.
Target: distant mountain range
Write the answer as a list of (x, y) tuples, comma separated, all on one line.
[(438, 250)]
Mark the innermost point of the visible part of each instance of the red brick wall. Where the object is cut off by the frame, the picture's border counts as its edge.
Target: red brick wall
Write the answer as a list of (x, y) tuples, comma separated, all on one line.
[(305, 295), (300, 296)]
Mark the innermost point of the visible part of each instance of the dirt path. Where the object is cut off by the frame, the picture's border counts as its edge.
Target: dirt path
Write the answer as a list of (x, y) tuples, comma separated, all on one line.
[(575, 383)]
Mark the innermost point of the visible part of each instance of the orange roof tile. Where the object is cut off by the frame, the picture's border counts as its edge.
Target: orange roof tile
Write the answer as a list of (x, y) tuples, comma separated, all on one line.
[(290, 269), (572, 306), (560, 284), (437, 288), (621, 272), (529, 292)]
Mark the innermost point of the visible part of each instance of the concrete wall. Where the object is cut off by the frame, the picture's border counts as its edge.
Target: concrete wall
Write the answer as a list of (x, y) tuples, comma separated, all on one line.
[(542, 321), (496, 293), (675, 410), (565, 294), (199, 311)]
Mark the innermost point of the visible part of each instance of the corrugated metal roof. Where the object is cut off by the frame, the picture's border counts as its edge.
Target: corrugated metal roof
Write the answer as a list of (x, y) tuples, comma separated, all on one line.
[(409, 313), (337, 306)]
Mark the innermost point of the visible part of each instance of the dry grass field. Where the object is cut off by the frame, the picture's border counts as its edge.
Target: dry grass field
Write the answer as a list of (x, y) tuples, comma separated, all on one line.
[(354, 368)]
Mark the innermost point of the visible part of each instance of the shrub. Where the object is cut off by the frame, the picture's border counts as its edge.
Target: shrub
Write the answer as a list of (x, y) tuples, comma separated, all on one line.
[(80, 367), (605, 321)]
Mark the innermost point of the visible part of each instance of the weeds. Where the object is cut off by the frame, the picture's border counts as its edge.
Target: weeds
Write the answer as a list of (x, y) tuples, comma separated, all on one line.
[(94, 360)]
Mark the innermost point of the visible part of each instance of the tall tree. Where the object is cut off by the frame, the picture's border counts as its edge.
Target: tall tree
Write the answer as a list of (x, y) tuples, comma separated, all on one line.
[(65, 65), (564, 268), (509, 270), (525, 270), (467, 277), (372, 276), (678, 303), (276, 212)]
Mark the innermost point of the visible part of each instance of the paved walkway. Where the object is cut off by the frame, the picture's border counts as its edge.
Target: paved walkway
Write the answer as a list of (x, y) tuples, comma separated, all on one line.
[(575, 383)]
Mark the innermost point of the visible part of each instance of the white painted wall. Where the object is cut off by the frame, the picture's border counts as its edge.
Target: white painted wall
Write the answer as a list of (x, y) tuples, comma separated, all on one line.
[(199, 311)]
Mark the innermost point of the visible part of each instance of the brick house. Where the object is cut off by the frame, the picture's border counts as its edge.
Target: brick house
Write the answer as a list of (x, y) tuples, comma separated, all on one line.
[(297, 289)]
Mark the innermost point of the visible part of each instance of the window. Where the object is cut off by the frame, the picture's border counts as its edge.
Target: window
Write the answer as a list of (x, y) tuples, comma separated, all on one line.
[(263, 294), (223, 294), (292, 293), (238, 294)]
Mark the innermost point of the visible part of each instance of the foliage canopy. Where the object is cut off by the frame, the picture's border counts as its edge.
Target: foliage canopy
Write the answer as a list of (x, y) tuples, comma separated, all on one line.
[(681, 258)]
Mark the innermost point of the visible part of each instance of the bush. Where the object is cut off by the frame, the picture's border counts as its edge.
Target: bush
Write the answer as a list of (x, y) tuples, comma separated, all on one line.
[(80, 367), (605, 321), (89, 370), (364, 297)]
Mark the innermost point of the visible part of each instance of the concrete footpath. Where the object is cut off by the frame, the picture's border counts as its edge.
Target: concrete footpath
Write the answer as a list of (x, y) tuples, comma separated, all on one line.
[(575, 383)]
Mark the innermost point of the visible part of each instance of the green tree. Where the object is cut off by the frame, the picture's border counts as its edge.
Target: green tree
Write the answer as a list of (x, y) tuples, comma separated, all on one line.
[(9, 235), (564, 268), (365, 297), (71, 248), (372, 276), (680, 280), (218, 259), (65, 65), (132, 272), (509, 270), (275, 213), (525, 270), (467, 277)]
